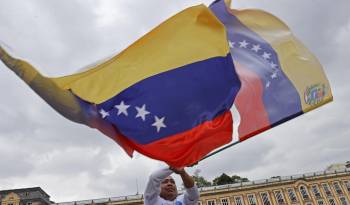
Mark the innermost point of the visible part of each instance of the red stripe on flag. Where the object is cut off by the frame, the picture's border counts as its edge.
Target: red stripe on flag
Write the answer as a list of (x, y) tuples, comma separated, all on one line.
[(250, 105), (188, 147)]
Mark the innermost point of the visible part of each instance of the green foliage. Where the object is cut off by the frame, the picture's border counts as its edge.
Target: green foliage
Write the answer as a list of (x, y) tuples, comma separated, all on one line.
[(201, 181), (223, 179), (237, 179)]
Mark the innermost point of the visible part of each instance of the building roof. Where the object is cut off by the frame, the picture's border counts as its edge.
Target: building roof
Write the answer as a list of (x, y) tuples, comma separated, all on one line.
[(23, 190)]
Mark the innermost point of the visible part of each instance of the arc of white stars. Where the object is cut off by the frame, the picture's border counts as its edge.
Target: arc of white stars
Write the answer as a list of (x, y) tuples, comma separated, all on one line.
[(122, 108), (243, 44), (142, 112), (256, 48), (104, 113), (159, 123)]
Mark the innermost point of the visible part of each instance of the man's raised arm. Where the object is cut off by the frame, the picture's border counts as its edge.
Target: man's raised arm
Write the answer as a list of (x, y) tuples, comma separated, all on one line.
[(191, 195)]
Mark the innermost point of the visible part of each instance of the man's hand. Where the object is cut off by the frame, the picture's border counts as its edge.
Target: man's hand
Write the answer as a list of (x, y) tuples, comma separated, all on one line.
[(186, 178), (178, 170)]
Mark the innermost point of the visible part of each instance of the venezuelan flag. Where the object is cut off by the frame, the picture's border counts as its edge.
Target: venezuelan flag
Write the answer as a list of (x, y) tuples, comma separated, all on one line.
[(280, 78), (169, 94)]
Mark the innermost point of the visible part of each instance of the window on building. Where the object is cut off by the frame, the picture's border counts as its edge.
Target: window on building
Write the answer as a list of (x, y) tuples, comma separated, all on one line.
[(265, 198), (331, 202), (347, 185), (337, 188), (304, 192), (238, 200), (343, 201), (308, 203), (211, 202), (291, 195), (251, 199), (199, 203), (326, 190), (316, 191), (279, 197), (10, 204), (225, 201), (29, 203), (320, 202)]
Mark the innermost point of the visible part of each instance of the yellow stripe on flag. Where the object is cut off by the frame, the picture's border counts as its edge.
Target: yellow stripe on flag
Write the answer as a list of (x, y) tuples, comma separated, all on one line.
[(190, 36)]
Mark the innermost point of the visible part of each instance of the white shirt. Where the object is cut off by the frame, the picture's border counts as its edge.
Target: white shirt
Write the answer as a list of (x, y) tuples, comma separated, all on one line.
[(151, 196)]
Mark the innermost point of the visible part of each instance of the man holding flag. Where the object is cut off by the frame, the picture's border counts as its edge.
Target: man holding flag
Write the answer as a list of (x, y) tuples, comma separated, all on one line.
[(161, 188)]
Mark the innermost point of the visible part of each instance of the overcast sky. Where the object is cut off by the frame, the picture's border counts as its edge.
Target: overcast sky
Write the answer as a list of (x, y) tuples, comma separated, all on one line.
[(71, 162)]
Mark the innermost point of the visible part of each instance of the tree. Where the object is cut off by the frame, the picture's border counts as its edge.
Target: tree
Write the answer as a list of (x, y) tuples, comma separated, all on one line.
[(200, 181), (237, 179), (223, 179)]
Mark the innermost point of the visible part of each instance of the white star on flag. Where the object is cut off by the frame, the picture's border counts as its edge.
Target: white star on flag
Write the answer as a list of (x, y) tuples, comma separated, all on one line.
[(273, 65), (274, 75), (243, 44), (122, 108), (268, 84), (142, 112), (159, 123), (104, 113), (231, 44), (266, 55), (256, 48)]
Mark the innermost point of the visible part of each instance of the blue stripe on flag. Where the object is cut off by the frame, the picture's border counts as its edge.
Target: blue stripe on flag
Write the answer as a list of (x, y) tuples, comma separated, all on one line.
[(174, 101)]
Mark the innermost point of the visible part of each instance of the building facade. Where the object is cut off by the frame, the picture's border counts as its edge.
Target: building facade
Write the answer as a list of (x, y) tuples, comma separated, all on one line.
[(27, 196), (322, 188)]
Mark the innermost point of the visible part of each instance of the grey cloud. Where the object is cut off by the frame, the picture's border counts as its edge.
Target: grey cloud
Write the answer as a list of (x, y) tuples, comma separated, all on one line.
[(72, 161), (14, 162), (238, 159)]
